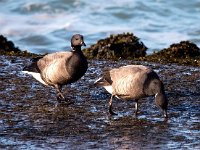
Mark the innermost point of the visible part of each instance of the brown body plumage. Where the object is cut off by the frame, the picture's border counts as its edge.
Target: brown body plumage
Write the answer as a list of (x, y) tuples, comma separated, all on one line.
[(60, 68), (134, 82)]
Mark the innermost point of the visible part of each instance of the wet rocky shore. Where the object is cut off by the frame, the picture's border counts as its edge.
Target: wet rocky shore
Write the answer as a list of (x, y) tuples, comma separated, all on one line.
[(30, 119)]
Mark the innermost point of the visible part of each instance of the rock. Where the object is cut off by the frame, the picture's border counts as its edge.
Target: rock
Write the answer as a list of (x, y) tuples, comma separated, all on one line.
[(8, 48), (185, 52), (125, 46), (184, 49)]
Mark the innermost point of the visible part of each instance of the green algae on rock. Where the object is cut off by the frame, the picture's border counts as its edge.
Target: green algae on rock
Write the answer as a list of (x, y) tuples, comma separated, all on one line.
[(125, 46), (8, 48), (185, 52)]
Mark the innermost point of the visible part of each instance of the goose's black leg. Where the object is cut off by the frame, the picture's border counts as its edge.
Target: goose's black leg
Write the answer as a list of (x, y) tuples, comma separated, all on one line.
[(60, 96), (165, 113), (110, 106)]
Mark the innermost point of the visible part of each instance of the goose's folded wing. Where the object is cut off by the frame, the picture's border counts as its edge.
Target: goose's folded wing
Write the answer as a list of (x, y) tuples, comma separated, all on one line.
[(49, 59)]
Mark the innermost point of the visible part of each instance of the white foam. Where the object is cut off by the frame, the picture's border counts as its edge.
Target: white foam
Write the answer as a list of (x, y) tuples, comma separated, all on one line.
[(37, 76)]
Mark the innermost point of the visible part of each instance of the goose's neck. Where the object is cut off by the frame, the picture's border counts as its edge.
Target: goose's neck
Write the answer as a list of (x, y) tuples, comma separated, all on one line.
[(76, 48)]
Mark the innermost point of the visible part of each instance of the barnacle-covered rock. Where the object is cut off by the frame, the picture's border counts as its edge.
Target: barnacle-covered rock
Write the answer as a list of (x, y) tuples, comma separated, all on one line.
[(8, 48), (125, 46), (185, 52), (184, 49)]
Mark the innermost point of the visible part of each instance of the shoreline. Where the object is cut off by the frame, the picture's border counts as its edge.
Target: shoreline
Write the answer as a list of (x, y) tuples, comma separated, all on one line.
[(124, 46)]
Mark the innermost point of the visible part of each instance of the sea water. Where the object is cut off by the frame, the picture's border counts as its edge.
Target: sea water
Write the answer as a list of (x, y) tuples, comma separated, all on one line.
[(42, 26)]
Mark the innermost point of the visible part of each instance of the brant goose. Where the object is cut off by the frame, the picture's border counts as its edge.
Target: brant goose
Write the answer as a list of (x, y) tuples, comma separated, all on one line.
[(133, 82), (60, 68)]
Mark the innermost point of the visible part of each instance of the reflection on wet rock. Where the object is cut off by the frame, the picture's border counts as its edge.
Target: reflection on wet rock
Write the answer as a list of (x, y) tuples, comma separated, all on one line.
[(30, 119)]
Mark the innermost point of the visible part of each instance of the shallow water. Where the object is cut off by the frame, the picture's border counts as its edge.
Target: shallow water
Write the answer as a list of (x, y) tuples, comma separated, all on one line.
[(47, 26), (30, 119)]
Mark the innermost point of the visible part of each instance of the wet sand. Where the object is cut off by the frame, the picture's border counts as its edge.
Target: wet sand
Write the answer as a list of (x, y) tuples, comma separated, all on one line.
[(30, 119)]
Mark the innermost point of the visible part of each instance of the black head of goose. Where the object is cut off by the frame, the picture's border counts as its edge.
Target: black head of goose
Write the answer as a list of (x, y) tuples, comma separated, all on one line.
[(134, 82), (60, 68)]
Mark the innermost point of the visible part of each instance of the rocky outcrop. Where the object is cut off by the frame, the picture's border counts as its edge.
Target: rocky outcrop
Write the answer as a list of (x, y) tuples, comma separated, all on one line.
[(8, 48), (185, 52), (124, 46)]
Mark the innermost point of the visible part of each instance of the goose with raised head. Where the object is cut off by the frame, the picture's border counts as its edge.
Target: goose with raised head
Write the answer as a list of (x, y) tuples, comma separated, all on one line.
[(134, 82), (60, 68)]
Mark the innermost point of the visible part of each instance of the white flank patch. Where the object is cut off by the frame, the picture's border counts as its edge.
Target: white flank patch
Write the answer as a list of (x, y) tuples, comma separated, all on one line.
[(97, 80), (36, 76), (109, 89)]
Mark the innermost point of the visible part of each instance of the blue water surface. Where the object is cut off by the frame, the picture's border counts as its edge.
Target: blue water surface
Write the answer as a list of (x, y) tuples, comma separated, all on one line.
[(47, 25)]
